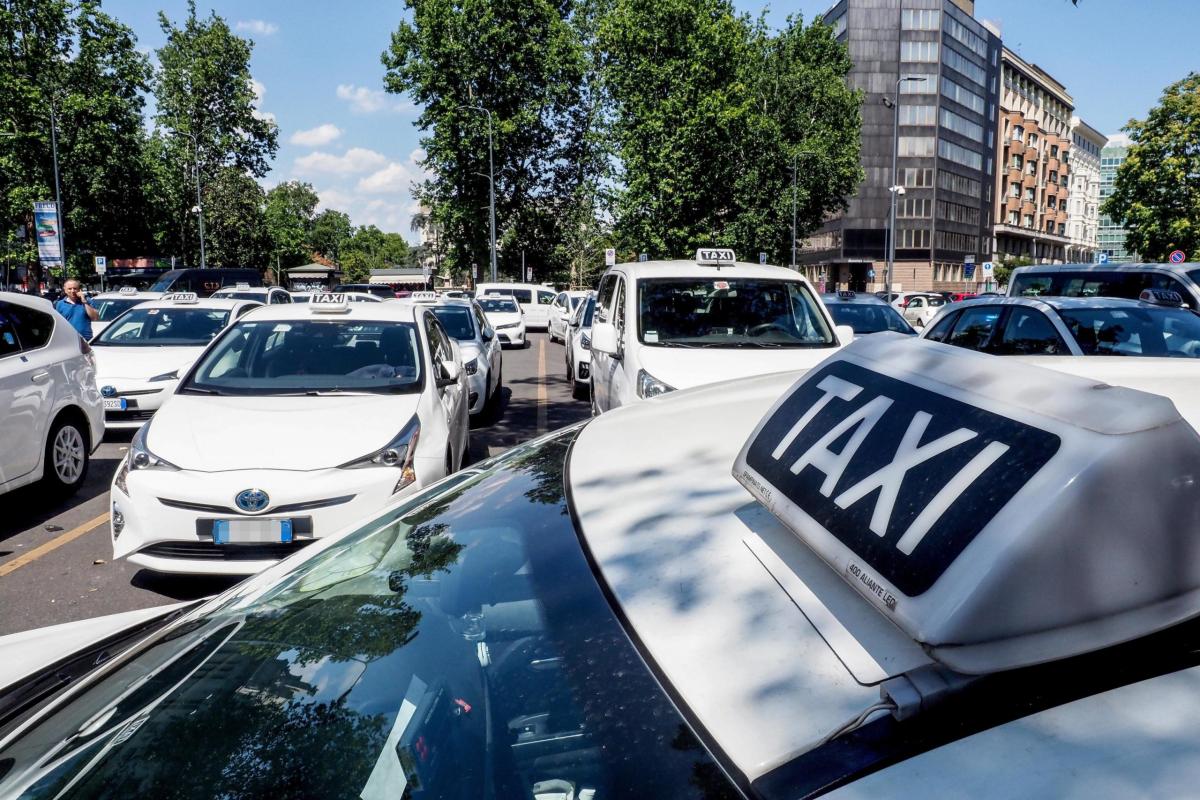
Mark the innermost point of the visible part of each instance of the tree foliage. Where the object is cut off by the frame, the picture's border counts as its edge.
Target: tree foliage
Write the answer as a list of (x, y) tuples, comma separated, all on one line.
[(289, 217), (330, 230), (524, 62), (236, 233), (711, 111), (1157, 190), (81, 63)]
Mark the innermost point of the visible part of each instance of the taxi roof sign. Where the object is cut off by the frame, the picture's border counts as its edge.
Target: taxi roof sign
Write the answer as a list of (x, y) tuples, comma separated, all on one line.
[(1162, 297), (423, 297), (993, 528), (127, 290), (241, 286), (329, 303), (183, 298), (715, 256)]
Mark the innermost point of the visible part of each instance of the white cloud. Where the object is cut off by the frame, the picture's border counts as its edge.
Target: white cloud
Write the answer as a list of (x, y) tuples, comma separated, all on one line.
[(315, 137), (259, 90), (335, 199), (356, 159), (1119, 140), (367, 101), (261, 27), (396, 177)]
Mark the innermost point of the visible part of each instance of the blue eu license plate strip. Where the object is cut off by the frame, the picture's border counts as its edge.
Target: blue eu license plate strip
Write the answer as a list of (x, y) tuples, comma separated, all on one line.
[(226, 531)]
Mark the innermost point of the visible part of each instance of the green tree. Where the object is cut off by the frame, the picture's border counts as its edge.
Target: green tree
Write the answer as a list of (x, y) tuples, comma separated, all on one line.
[(525, 62), (357, 265), (329, 232), (711, 112), (206, 117), (289, 217), (382, 249), (1157, 190), (235, 226), (81, 63)]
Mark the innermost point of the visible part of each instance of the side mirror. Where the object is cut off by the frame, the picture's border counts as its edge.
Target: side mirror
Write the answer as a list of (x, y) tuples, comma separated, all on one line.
[(488, 334), (449, 370), (845, 334), (604, 338)]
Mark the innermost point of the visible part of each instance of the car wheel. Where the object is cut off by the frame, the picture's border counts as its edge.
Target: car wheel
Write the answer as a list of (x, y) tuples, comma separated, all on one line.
[(66, 458), (579, 389)]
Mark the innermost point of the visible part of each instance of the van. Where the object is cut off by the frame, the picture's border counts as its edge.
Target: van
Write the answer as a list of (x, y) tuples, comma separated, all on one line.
[(1106, 280), (533, 299), (205, 281)]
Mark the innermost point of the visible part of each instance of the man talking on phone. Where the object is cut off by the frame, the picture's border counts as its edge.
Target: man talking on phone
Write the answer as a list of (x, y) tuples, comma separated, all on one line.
[(78, 311)]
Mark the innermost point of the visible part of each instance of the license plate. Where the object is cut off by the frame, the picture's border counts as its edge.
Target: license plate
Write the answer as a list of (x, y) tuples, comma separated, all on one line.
[(115, 404), (252, 531)]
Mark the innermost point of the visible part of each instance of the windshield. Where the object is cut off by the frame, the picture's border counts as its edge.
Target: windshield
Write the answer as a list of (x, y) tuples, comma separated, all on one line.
[(588, 312), (729, 312), (505, 305), (1134, 331), (458, 646), (172, 326), (869, 317), (310, 356), (109, 308), (258, 297), (457, 322), (574, 300)]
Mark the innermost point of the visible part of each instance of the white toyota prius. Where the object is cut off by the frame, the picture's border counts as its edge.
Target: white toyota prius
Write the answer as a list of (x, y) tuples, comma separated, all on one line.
[(142, 353), (296, 421), (913, 571)]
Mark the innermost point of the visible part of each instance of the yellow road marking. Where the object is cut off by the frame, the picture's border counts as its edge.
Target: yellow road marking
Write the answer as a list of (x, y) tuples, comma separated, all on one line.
[(543, 395), (53, 544)]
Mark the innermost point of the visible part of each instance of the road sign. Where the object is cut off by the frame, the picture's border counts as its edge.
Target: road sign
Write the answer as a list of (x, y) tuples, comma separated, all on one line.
[(1178, 257), (610, 257), (968, 270), (101, 265), (987, 270), (870, 273), (762, 258), (969, 259), (1102, 258), (643, 256)]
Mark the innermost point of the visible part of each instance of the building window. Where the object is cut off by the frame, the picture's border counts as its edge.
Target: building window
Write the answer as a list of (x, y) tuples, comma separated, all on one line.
[(956, 212), (1053, 176), (914, 208), (1027, 220), (926, 86), (1012, 218), (961, 125), (1031, 167), (1018, 134), (839, 25), (916, 145), (962, 96), (973, 41), (918, 115), (969, 69), (1029, 193), (1054, 151), (1052, 203), (924, 52), (959, 155), (1017, 162), (914, 19), (953, 182), (918, 177), (913, 237), (1014, 189), (959, 242)]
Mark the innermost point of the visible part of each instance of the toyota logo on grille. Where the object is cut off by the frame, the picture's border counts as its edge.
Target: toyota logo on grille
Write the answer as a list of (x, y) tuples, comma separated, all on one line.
[(252, 500), (108, 391)]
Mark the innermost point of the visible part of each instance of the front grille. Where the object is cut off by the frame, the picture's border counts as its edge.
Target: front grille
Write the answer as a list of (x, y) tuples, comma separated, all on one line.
[(284, 509), (129, 415), (137, 392), (584, 370), (207, 551), (504, 338)]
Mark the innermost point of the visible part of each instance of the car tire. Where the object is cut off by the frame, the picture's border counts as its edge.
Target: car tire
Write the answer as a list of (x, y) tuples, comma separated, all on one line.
[(67, 457), (580, 390)]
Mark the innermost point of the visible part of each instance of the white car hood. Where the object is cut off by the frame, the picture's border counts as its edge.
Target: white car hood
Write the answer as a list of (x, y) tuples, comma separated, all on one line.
[(140, 363), (683, 368), (211, 434), (499, 319)]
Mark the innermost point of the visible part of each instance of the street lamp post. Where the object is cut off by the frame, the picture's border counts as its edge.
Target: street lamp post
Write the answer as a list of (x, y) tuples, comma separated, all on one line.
[(491, 187), (199, 202), (895, 189), (58, 210)]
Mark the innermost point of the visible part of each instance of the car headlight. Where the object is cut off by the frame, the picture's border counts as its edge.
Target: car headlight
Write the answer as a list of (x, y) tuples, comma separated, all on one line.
[(585, 341), (173, 375), (506, 327), (399, 452), (650, 386), (472, 366), (140, 457)]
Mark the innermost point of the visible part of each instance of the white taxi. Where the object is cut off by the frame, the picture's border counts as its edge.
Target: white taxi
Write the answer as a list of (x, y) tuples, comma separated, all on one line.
[(142, 354), (505, 315), (667, 325), (482, 358), (110, 305), (267, 295), (579, 347), (867, 580), (558, 319), (298, 420)]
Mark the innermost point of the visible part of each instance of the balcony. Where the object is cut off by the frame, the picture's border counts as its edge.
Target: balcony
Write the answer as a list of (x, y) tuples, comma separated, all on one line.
[(1014, 147)]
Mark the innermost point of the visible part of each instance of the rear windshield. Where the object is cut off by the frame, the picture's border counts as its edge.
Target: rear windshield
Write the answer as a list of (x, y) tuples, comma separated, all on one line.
[(1097, 283), (729, 312), (499, 304), (311, 357), (177, 326), (868, 317), (457, 321)]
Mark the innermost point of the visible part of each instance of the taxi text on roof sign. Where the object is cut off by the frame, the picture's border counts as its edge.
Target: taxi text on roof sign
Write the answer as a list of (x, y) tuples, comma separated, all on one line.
[(992, 526), (328, 303), (128, 290), (715, 256), (424, 297), (183, 297)]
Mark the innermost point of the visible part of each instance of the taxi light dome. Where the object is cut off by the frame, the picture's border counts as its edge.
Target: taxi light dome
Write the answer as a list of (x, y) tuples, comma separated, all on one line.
[(1000, 514)]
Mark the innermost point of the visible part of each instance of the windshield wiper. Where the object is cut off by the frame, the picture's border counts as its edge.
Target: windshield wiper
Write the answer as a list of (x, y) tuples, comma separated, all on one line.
[(198, 390)]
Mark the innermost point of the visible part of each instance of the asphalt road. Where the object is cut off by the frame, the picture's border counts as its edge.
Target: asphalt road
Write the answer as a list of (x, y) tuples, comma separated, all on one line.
[(56, 560)]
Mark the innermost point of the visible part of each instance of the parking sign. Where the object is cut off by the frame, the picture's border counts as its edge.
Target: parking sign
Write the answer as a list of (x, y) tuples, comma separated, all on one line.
[(610, 257)]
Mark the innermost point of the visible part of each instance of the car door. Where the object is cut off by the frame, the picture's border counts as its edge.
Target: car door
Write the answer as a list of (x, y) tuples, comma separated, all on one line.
[(622, 385), (29, 378), (491, 345), (913, 310), (974, 328), (603, 364), (542, 299), (558, 316), (1028, 332), (450, 395)]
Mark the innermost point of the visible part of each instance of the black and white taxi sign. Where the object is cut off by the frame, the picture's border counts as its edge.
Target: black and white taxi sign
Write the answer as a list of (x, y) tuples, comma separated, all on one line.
[(1001, 514)]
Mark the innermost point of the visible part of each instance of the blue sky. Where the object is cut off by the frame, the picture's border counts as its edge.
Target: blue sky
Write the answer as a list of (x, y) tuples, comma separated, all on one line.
[(318, 69)]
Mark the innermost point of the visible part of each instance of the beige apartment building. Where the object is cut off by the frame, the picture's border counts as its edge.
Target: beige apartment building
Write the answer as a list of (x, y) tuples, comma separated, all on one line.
[(1033, 158)]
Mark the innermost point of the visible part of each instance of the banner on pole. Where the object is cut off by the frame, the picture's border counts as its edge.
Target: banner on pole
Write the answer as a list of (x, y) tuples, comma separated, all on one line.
[(45, 226)]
